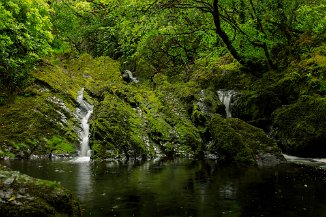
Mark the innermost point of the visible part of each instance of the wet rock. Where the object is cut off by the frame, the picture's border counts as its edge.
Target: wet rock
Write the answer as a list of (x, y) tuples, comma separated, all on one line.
[(21, 195), (300, 127), (234, 140), (268, 159), (9, 181), (128, 77), (255, 108)]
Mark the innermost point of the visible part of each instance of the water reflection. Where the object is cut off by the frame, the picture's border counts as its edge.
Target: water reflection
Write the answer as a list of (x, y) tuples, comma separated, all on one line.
[(187, 188), (84, 187)]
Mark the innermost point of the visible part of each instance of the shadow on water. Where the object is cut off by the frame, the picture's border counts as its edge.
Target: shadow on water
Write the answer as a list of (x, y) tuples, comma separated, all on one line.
[(186, 188)]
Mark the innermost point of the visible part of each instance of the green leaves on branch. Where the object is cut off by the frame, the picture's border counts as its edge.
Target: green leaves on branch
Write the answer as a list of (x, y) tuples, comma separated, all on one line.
[(25, 33), (312, 18)]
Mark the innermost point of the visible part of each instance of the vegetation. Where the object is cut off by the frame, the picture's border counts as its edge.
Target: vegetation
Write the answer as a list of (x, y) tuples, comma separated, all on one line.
[(26, 36), (271, 53)]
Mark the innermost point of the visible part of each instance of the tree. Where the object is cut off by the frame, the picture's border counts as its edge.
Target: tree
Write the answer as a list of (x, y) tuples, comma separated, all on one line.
[(169, 35), (250, 28), (219, 13), (25, 33)]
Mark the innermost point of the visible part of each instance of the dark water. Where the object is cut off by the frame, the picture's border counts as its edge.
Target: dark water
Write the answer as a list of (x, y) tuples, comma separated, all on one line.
[(186, 188)]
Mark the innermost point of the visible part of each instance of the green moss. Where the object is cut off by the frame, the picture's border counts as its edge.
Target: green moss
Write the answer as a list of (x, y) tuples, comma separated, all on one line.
[(59, 145), (116, 123), (189, 138), (22, 195), (135, 119), (129, 120), (236, 141), (46, 108), (301, 126), (34, 119)]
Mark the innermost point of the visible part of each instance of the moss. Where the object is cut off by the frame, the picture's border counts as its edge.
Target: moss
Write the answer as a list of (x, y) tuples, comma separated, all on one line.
[(33, 120), (212, 102), (46, 108), (236, 141), (141, 120), (59, 145), (129, 120), (22, 195), (301, 126), (256, 108), (135, 120), (188, 135), (198, 117), (116, 123)]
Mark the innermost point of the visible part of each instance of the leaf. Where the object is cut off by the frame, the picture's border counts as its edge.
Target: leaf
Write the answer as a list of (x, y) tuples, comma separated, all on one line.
[(13, 197)]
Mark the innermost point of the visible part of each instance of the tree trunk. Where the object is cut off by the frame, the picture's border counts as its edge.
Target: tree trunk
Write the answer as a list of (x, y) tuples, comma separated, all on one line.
[(225, 38), (261, 29)]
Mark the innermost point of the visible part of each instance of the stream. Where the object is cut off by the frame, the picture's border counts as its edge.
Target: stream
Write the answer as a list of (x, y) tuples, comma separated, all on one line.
[(184, 187)]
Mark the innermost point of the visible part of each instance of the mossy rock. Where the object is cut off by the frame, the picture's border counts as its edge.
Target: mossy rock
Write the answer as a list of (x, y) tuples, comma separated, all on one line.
[(300, 127), (255, 108), (231, 77), (21, 195), (29, 122), (233, 140), (132, 122), (268, 94), (32, 121), (113, 127)]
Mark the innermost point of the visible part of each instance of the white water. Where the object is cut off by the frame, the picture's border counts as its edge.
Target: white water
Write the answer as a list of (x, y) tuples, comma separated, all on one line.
[(133, 79), (225, 98), (84, 112), (81, 159), (302, 160), (201, 104)]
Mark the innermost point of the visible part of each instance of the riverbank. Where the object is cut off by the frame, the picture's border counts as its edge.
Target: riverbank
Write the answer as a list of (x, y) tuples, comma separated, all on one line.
[(22, 195), (130, 120)]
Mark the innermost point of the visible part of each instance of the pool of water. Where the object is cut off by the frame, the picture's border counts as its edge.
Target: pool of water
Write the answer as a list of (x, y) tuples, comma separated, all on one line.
[(186, 188)]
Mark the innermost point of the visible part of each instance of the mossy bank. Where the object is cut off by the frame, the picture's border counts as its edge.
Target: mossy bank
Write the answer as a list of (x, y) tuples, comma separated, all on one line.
[(288, 103), (161, 117)]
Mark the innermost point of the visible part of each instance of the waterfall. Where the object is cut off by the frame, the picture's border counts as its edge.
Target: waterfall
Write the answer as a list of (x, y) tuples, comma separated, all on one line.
[(225, 97), (201, 104), (130, 76), (84, 112)]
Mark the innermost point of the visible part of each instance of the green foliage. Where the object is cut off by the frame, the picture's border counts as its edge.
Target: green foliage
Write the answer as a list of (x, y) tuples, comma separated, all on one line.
[(2, 100), (25, 35), (153, 37), (312, 18), (59, 145)]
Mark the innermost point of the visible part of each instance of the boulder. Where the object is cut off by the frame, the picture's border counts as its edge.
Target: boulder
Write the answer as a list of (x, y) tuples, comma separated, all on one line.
[(300, 127), (234, 140), (21, 195), (255, 108)]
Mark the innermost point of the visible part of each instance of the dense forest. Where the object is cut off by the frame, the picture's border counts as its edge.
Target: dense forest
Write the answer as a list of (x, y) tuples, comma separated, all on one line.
[(178, 107), (271, 54)]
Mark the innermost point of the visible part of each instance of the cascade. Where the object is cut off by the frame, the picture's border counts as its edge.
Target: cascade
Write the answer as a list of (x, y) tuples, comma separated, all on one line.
[(201, 104), (84, 112), (225, 97), (128, 75)]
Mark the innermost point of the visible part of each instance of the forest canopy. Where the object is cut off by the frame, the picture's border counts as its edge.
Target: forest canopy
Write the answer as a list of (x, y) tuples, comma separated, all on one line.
[(26, 36), (152, 36)]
